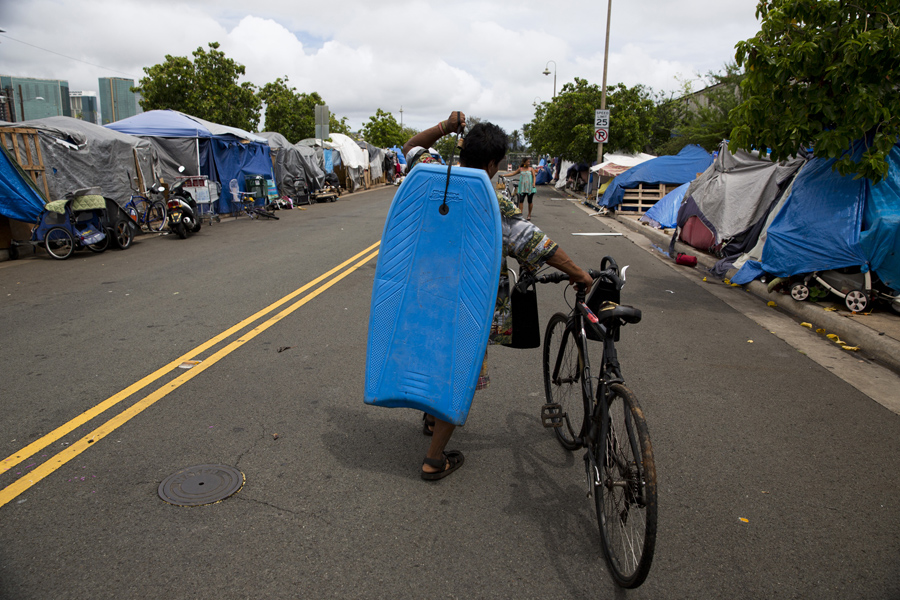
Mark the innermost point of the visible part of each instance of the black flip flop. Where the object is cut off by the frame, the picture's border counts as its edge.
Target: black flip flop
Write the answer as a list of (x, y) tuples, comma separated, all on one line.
[(451, 461)]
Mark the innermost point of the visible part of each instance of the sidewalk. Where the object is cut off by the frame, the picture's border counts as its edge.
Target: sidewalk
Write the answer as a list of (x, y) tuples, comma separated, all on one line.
[(877, 334)]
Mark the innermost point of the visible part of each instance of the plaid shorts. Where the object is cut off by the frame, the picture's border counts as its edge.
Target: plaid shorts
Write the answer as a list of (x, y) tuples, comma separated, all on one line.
[(484, 380)]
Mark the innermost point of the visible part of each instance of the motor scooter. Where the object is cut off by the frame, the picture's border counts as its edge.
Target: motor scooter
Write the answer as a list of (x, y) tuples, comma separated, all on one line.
[(182, 212)]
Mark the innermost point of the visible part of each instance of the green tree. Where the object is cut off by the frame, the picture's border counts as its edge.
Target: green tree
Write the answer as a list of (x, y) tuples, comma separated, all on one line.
[(564, 127), (383, 130), (336, 125), (824, 74), (704, 118), (283, 105), (206, 87)]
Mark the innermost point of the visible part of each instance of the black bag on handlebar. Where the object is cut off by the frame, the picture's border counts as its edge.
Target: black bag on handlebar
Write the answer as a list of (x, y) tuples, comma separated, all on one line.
[(603, 290), (526, 327)]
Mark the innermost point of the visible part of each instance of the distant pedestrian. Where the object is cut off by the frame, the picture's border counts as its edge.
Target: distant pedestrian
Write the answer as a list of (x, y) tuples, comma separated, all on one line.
[(526, 187)]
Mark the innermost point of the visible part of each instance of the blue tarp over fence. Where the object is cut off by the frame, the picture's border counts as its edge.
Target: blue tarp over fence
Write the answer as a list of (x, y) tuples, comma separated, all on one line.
[(678, 169), (18, 199)]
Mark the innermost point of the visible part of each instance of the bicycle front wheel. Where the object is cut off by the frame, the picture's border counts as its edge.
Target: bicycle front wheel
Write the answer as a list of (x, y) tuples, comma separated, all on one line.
[(625, 490), (563, 387), (156, 217)]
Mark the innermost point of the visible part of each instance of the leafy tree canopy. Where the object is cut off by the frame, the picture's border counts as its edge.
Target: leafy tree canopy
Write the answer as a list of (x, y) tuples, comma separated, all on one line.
[(704, 118), (206, 87), (383, 130), (565, 126), (822, 73)]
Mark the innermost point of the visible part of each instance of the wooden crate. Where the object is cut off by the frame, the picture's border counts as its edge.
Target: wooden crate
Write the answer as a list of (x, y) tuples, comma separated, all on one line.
[(25, 146), (644, 196)]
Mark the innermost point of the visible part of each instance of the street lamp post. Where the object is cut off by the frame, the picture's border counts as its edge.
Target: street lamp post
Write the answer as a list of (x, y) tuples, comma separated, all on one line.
[(401, 117), (547, 72)]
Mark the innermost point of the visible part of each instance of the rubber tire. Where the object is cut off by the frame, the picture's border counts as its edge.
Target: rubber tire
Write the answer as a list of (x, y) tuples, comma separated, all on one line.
[(197, 226), (179, 229), (61, 235), (617, 503), (13, 252), (122, 234), (100, 246), (799, 292), (568, 395), (856, 301), (157, 217)]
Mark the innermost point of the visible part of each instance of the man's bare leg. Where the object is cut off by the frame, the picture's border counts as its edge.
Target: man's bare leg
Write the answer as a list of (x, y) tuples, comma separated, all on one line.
[(442, 432)]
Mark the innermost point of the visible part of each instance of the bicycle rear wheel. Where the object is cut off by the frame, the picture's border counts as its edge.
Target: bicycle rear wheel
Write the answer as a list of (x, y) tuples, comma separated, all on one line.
[(156, 217), (625, 490), (565, 389)]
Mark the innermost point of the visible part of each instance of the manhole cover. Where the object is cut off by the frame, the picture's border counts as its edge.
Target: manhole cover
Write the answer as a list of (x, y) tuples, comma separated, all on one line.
[(203, 484)]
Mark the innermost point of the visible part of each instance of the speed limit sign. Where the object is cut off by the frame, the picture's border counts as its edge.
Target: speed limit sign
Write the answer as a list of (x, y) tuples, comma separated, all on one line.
[(601, 135)]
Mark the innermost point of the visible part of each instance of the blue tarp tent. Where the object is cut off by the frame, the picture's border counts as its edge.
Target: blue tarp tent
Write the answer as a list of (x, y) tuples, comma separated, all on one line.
[(831, 221), (19, 200), (220, 152), (665, 212), (681, 168)]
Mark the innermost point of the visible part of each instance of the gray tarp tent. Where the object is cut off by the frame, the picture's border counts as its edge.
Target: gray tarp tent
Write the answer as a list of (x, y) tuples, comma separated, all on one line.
[(78, 154), (288, 164), (731, 199)]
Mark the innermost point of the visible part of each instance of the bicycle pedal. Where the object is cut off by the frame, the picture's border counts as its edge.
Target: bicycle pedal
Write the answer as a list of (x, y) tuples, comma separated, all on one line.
[(552, 415)]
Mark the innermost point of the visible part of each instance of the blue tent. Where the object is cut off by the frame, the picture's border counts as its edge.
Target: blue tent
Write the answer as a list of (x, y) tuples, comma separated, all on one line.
[(681, 168), (19, 199), (831, 221), (665, 212), (220, 152)]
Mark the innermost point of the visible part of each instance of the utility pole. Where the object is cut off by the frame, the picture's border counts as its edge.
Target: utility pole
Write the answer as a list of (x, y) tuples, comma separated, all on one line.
[(603, 91), (401, 117)]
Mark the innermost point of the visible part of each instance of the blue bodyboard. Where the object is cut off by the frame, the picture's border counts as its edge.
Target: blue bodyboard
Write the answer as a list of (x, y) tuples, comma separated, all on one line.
[(434, 293)]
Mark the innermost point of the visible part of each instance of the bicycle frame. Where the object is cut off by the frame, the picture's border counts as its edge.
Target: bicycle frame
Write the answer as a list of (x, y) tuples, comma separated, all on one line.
[(598, 423)]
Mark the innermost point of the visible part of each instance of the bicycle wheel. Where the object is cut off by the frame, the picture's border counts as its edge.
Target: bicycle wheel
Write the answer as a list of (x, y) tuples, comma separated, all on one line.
[(625, 490), (59, 243), (566, 389), (100, 246), (156, 217)]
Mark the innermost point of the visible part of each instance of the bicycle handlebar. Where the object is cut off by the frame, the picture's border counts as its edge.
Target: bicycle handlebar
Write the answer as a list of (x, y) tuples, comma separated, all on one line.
[(609, 271)]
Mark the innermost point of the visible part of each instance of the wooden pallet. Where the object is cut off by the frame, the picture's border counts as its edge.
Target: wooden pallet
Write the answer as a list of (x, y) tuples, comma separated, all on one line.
[(25, 146), (644, 196)]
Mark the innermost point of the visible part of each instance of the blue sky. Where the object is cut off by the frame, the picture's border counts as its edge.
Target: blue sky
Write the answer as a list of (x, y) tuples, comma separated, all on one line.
[(485, 58)]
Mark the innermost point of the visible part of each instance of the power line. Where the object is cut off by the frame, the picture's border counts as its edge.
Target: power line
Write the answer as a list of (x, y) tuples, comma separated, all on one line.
[(65, 56)]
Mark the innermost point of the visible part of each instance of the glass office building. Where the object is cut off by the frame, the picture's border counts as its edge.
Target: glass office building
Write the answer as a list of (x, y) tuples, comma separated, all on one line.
[(26, 98), (85, 106), (117, 101)]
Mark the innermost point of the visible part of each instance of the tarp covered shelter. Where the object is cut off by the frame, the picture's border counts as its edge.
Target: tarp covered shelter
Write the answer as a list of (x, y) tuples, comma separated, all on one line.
[(376, 160), (616, 164), (829, 221), (725, 208), (78, 154), (220, 152), (353, 158), (674, 170), (19, 197), (292, 161), (664, 214)]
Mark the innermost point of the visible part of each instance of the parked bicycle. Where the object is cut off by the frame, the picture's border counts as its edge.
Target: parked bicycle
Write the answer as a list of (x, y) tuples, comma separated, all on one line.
[(604, 418), (148, 213)]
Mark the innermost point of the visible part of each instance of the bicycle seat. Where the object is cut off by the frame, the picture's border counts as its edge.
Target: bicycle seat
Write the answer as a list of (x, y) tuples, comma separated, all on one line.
[(611, 310)]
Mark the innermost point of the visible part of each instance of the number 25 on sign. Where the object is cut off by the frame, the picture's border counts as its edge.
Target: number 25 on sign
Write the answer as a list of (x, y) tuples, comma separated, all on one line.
[(601, 136)]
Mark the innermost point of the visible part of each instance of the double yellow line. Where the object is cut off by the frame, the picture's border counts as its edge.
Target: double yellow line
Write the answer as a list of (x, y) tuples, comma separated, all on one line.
[(46, 468)]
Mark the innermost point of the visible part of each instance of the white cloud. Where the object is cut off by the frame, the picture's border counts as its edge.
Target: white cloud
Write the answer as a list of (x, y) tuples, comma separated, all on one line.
[(430, 58)]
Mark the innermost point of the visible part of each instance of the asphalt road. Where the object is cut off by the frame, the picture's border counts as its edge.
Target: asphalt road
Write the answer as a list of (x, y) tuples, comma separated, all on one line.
[(776, 478)]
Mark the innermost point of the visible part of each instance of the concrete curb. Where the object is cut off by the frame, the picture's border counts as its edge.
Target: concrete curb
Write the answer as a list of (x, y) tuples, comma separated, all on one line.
[(880, 347)]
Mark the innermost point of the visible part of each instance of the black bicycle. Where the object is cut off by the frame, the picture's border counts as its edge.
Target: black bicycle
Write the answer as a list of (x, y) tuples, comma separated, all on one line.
[(604, 418)]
